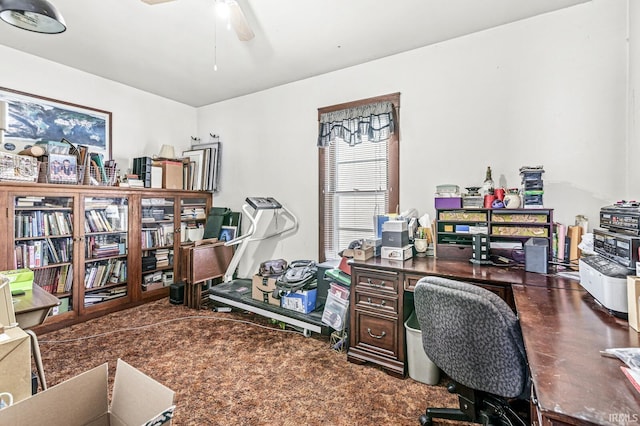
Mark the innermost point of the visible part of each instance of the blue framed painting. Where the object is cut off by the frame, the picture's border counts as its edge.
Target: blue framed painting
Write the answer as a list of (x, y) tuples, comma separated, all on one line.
[(32, 119)]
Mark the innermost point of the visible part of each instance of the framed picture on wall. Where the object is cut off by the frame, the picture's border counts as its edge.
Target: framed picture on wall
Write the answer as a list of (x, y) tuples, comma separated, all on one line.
[(32, 118)]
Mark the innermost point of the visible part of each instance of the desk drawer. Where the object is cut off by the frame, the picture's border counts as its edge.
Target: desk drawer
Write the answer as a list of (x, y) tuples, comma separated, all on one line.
[(375, 302), (410, 281), (380, 282), (377, 333)]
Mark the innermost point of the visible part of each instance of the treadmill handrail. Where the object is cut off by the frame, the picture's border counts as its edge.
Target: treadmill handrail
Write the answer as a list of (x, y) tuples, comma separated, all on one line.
[(252, 227), (247, 238)]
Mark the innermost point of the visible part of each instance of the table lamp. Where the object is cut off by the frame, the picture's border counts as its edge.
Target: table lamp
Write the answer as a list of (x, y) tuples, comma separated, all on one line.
[(167, 151)]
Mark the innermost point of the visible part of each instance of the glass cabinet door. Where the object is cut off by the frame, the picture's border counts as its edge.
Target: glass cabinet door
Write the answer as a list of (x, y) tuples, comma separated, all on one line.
[(105, 249), (43, 242), (157, 243)]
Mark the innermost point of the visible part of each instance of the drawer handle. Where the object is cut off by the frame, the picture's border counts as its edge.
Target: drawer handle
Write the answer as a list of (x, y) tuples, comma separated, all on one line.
[(371, 283), (384, 333), (379, 305)]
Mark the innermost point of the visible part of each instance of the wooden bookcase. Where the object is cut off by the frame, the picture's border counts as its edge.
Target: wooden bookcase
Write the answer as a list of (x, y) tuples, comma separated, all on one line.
[(86, 244)]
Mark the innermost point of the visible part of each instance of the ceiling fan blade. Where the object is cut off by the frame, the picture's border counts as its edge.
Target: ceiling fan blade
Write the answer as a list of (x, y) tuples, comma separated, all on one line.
[(239, 21), (152, 2)]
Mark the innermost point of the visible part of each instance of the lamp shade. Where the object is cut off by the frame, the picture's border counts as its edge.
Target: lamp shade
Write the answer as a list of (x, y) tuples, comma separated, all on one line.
[(167, 151), (33, 15)]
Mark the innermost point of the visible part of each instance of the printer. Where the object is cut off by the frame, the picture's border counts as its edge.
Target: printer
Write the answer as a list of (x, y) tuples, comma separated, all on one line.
[(606, 281)]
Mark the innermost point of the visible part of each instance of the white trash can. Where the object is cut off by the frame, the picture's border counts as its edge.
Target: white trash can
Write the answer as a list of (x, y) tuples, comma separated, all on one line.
[(421, 368)]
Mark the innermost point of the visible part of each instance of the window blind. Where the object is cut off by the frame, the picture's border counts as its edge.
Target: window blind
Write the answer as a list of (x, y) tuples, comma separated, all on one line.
[(356, 189)]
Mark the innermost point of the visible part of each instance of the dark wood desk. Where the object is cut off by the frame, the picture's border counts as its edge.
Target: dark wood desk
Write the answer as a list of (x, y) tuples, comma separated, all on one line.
[(564, 331), (563, 328)]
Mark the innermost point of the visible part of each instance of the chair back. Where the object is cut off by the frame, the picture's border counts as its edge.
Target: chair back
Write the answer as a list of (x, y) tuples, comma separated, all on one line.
[(472, 335)]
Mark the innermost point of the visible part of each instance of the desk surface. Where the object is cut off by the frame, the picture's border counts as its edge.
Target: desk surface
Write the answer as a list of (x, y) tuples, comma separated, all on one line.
[(564, 331), (459, 270), (32, 307)]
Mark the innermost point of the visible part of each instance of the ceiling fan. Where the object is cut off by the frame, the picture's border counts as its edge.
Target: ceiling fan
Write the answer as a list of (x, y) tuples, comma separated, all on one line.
[(236, 17)]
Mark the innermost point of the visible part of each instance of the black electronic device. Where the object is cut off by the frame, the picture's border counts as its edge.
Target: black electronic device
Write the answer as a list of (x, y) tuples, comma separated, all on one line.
[(263, 203), (616, 246), (623, 216), (176, 293)]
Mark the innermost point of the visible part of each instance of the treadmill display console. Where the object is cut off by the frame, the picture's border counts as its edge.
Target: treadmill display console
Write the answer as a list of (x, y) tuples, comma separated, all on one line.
[(262, 203)]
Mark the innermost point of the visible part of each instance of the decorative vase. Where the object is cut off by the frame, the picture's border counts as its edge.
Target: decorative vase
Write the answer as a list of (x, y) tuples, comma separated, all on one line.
[(421, 245), (512, 199)]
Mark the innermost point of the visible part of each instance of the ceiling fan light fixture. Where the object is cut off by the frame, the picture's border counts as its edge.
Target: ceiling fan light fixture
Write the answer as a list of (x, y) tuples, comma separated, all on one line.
[(222, 10), (38, 16)]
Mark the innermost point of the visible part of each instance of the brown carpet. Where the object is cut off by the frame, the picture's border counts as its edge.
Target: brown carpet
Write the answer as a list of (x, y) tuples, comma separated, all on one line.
[(237, 369)]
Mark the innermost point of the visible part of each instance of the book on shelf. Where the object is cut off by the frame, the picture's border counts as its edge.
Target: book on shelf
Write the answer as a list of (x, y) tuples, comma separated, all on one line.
[(29, 201), (112, 271)]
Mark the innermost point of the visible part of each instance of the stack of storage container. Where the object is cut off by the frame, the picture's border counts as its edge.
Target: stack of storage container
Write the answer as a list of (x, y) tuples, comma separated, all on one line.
[(532, 187)]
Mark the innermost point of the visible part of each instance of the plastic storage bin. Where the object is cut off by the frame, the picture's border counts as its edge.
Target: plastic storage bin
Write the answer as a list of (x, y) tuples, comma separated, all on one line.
[(421, 368)]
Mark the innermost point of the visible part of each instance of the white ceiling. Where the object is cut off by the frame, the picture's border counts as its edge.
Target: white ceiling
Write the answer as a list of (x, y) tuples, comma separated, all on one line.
[(168, 49)]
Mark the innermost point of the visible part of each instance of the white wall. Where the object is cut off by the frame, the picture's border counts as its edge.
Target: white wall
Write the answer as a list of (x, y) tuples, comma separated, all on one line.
[(548, 91), (141, 122)]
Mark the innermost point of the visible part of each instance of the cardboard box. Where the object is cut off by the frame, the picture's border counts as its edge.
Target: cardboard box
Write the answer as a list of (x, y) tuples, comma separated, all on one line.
[(397, 253), (394, 226), (364, 253), (633, 293), (153, 286), (15, 365), (303, 301), (395, 239), (262, 289), (172, 174), (19, 279), (84, 400)]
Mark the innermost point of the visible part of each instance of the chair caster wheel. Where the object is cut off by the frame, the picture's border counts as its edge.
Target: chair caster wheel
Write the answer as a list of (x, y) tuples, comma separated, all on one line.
[(425, 420)]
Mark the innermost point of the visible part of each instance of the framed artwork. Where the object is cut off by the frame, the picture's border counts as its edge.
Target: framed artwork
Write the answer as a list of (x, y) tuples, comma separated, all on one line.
[(32, 119), (228, 233), (62, 168), (212, 152), (196, 156)]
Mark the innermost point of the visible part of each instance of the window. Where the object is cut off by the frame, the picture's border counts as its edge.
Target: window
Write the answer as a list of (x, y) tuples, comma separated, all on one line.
[(358, 164)]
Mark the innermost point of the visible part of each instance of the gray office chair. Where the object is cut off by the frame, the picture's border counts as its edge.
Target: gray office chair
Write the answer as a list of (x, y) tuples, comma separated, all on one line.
[(474, 337)]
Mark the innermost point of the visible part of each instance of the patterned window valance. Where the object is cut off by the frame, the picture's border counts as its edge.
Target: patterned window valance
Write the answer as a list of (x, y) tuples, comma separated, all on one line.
[(372, 122)]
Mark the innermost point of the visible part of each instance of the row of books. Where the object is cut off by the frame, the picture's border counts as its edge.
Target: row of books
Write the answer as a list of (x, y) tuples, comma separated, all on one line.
[(100, 246), (98, 275), (147, 202), (565, 241), (164, 258), (35, 254), (55, 280), (39, 201), (159, 236), (154, 215), (97, 221), (104, 294), (102, 203), (43, 223), (193, 213)]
